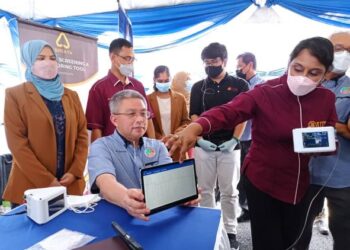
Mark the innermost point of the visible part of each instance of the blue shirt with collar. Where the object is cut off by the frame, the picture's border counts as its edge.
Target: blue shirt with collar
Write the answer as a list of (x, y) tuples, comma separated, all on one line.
[(115, 155), (247, 136), (322, 166)]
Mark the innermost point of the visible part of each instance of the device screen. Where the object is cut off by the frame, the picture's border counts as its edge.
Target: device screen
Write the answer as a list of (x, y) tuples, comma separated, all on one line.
[(169, 185), (56, 204), (315, 139)]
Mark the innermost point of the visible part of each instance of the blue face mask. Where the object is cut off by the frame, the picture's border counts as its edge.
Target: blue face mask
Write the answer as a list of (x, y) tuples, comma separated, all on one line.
[(188, 85), (163, 87)]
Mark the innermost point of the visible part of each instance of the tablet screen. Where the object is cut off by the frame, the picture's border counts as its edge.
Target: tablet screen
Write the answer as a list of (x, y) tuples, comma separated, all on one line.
[(167, 185)]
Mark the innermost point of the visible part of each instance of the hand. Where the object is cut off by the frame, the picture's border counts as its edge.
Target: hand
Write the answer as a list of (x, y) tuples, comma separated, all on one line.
[(196, 201), (133, 202), (183, 140), (67, 179), (206, 145), (228, 146)]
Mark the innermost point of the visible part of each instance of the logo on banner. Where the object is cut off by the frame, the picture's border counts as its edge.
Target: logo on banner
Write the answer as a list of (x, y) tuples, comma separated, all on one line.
[(62, 41)]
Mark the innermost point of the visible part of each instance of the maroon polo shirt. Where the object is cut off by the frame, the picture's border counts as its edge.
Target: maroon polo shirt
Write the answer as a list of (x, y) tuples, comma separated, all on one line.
[(97, 110), (271, 164)]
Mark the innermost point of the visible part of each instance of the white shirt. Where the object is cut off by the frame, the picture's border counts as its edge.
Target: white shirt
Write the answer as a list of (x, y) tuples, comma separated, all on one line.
[(165, 114)]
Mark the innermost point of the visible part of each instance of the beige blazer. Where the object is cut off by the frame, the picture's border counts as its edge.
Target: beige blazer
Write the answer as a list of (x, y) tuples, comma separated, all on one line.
[(31, 139), (179, 115)]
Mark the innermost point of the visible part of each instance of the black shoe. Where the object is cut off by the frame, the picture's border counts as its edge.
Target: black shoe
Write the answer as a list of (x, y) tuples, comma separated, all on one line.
[(244, 216), (233, 241)]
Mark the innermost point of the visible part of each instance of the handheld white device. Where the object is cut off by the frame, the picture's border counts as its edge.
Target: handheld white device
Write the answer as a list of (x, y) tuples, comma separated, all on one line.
[(314, 139), (44, 204)]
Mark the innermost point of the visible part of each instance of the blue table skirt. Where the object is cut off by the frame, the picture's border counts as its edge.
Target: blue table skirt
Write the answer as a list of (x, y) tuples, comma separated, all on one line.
[(176, 228)]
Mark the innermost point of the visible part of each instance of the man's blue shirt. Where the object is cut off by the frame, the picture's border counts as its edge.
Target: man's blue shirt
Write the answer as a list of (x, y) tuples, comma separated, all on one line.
[(114, 155)]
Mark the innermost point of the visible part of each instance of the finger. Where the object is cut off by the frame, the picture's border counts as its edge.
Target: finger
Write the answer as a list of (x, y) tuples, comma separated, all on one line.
[(183, 153), (175, 146), (143, 217), (166, 138), (170, 140), (136, 195), (140, 216)]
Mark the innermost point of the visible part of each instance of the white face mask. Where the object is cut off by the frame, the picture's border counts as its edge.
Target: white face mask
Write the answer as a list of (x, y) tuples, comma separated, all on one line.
[(45, 69), (188, 85), (300, 85), (341, 61), (126, 69), (82, 203)]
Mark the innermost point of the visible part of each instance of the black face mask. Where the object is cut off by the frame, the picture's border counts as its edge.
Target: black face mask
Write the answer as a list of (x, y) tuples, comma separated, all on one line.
[(213, 71), (240, 74)]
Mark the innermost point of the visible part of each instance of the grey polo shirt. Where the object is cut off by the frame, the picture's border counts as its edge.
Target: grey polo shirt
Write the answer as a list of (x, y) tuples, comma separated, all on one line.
[(322, 166), (114, 155), (247, 136)]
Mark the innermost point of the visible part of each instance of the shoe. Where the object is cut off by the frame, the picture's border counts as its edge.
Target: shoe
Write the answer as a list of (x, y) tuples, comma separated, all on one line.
[(322, 226), (244, 216), (233, 242)]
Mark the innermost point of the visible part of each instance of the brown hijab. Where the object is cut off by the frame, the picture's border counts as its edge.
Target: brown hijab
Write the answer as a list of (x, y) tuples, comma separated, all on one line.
[(179, 84)]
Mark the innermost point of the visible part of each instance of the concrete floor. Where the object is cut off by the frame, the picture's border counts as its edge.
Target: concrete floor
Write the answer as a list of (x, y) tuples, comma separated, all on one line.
[(318, 241)]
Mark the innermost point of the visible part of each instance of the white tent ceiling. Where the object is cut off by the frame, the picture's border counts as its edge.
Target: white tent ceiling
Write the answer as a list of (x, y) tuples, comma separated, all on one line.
[(54, 9)]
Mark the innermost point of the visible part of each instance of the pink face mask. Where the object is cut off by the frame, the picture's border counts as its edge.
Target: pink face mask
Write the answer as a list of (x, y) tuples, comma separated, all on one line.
[(45, 69), (300, 85)]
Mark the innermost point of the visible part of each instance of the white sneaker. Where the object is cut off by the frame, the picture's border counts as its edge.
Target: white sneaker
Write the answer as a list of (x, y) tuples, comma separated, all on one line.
[(322, 226)]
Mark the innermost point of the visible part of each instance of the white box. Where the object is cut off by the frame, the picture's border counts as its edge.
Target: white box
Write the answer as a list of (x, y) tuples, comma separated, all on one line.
[(44, 204)]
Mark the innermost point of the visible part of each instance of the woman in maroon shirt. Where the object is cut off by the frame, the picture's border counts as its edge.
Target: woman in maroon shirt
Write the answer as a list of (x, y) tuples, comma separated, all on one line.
[(275, 177)]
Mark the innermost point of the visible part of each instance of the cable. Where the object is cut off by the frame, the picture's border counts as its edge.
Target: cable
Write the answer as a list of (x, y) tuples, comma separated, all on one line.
[(312, 200)]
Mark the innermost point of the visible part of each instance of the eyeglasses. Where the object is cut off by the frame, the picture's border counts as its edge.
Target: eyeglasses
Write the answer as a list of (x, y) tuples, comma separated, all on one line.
[(133, 114), (212, 62), (128, 59)]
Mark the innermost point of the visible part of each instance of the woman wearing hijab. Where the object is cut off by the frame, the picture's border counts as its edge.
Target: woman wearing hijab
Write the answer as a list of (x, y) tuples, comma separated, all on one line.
[(45, 128), (182, 83)]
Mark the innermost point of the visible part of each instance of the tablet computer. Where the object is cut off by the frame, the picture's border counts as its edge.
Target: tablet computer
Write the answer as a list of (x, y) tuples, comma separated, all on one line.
[(168, 185)]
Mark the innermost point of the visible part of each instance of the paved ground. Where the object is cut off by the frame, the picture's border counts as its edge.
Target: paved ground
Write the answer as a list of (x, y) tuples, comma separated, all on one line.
[(318, 242)]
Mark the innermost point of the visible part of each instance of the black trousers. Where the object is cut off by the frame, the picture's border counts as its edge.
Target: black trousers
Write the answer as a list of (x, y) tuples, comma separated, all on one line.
[(245, 145), (275, 225), (338, 200)]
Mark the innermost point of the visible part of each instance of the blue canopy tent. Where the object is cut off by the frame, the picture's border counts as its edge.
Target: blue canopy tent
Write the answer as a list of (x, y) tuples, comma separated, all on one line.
[(205, 15)]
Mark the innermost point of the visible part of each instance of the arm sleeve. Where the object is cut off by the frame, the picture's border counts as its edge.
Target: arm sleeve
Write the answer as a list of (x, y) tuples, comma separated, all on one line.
[(99, 162), (228, 115), (196, 99), (163, 154), (94, 110), (343, 109), (81, 144), (16, 134)]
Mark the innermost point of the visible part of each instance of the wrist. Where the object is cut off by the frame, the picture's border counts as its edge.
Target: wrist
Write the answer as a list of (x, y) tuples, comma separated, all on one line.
[(235, 138)]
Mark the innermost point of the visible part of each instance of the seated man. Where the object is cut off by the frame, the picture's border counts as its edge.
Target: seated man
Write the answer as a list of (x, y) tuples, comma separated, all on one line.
[(115, 161)]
